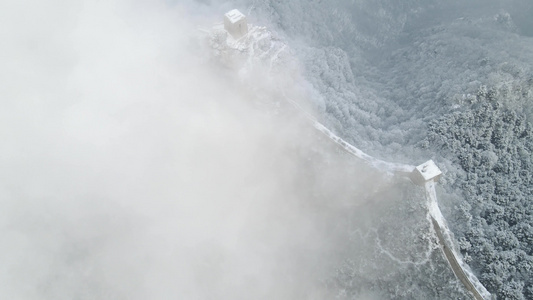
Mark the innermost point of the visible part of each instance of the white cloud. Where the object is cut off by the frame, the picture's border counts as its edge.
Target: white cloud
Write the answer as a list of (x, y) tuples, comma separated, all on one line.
[(132, 169)]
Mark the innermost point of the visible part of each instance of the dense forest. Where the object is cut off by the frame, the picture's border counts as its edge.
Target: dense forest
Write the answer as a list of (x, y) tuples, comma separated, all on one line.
[(493, 145), (449, 81)]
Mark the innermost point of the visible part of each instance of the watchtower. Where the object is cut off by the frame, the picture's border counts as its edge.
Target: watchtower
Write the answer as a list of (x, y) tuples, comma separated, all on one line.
[(425, 172), (235, 23)]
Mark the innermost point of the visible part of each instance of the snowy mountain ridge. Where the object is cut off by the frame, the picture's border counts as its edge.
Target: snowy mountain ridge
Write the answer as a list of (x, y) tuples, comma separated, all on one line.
[(259, 47)]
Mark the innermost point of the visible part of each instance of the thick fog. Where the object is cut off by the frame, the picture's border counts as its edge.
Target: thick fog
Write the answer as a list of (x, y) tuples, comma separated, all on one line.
[(133, 165), (134, 168)]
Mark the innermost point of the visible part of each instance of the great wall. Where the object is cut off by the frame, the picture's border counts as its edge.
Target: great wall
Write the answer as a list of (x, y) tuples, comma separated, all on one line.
[(234, 37)]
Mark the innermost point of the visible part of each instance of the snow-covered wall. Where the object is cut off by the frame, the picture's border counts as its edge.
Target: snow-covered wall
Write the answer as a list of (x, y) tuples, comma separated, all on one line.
[(426, 174), (385, 70)]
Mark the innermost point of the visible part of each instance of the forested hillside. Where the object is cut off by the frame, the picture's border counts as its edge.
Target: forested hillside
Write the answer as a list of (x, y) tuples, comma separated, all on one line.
[(382, 70), (139, 161), (493, 145), (449, 80)]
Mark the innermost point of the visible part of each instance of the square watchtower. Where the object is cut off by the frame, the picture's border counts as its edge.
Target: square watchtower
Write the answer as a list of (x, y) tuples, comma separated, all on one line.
[(235, 23), (426, 172)]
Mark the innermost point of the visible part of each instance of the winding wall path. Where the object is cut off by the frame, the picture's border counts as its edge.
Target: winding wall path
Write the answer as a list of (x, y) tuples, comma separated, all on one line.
[(444, 235)]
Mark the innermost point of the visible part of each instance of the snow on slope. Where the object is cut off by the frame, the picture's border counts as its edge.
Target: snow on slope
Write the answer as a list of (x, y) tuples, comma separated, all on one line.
[(425, 62), (426, 58), (226, 48), (260, 48), (461, 269)]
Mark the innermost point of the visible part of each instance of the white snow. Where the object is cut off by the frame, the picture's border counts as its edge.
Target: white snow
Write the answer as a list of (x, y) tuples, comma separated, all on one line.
[(436, 214), (235, 23), (429, 170), (235, 16), (260, 46)]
